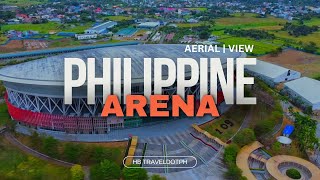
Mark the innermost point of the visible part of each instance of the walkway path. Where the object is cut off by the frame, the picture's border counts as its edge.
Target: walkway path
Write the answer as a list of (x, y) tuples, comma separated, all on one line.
[(9, 137)]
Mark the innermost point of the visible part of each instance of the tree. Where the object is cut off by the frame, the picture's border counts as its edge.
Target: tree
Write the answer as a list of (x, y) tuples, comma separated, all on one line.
[(234, 173), (230, 154), (77, 172), (311, 47), (105, 170), (293, 173), (31, 166), (244, 137), (50, 146), (157, 177), (72, 152), (263, 127), (134, 173), (204, 35), (276, 52), (305, 131)]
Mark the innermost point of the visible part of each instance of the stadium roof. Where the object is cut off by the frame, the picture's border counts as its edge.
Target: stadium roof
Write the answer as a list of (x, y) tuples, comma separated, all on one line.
[(267, 69), (50, 70), (307, 88)]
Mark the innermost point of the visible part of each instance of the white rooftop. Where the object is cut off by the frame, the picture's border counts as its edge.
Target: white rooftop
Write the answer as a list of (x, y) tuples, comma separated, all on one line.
[(150, 24), (307, 88), (267, 69)]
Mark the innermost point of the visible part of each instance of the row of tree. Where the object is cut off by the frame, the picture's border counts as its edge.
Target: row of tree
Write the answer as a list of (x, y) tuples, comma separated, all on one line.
[(299, 30), (74, 152)]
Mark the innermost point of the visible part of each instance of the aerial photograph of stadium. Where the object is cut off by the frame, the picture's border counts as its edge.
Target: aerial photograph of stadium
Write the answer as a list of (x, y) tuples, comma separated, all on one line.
[(47, 134)]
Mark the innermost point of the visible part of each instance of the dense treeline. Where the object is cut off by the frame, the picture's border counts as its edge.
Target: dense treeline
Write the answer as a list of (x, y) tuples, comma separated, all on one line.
[(256, 34), (299, 30)]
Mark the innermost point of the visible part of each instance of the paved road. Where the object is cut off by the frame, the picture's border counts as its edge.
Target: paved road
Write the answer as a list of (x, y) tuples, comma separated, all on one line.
[(39, 155)]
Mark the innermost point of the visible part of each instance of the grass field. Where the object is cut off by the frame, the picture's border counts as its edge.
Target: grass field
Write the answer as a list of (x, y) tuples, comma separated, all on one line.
[(315, 37), (236, 115), (189, 25), (47, 27), (42, 28), (248, 21), (22, 2), (14, 164), (119, 18), (312, 22), (270, 24), (199, 8), (3, 114), (260, 47)]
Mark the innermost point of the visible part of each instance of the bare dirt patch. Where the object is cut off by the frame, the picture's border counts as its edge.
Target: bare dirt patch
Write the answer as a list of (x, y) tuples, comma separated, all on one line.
[(307, 64), (14, 45)]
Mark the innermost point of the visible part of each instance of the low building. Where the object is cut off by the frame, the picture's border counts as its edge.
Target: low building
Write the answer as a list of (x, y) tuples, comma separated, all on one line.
[(86, 36), (66, 34), (149, 25), (271, 74), (305, 89), (101, 28)]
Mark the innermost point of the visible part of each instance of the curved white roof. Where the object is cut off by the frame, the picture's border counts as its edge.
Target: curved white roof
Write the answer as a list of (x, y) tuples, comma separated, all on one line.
[(267, 69), (50, 70)]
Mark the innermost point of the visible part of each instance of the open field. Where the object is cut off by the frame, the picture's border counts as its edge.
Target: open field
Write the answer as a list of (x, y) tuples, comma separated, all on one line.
[(312, 22), (260, 47), (248, 21), (42, 28), (15, 164), (307, 64), (314, 37), (270, 24), (198, 8), (119, 18), (22, 2), (235, 115), (189, 25), (48, 27)]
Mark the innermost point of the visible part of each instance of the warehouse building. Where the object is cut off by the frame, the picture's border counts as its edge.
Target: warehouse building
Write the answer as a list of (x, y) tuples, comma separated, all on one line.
[(101, 28), (271, 74), (149, 25), (305, 89)]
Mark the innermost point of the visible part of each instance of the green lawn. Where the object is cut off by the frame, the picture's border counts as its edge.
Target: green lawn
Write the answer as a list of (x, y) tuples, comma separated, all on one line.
[(48, 27), (199, 8), (42, 28), (3, 114), (15, 164), (189, 25), (270, 24), (77, 28), (236, 115), (312, 22), (119, 18), (260, 47), (248, 21), (22, 2)]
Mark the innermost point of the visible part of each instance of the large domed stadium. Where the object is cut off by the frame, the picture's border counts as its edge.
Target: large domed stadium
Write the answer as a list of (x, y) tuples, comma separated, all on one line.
[(35, 89)]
